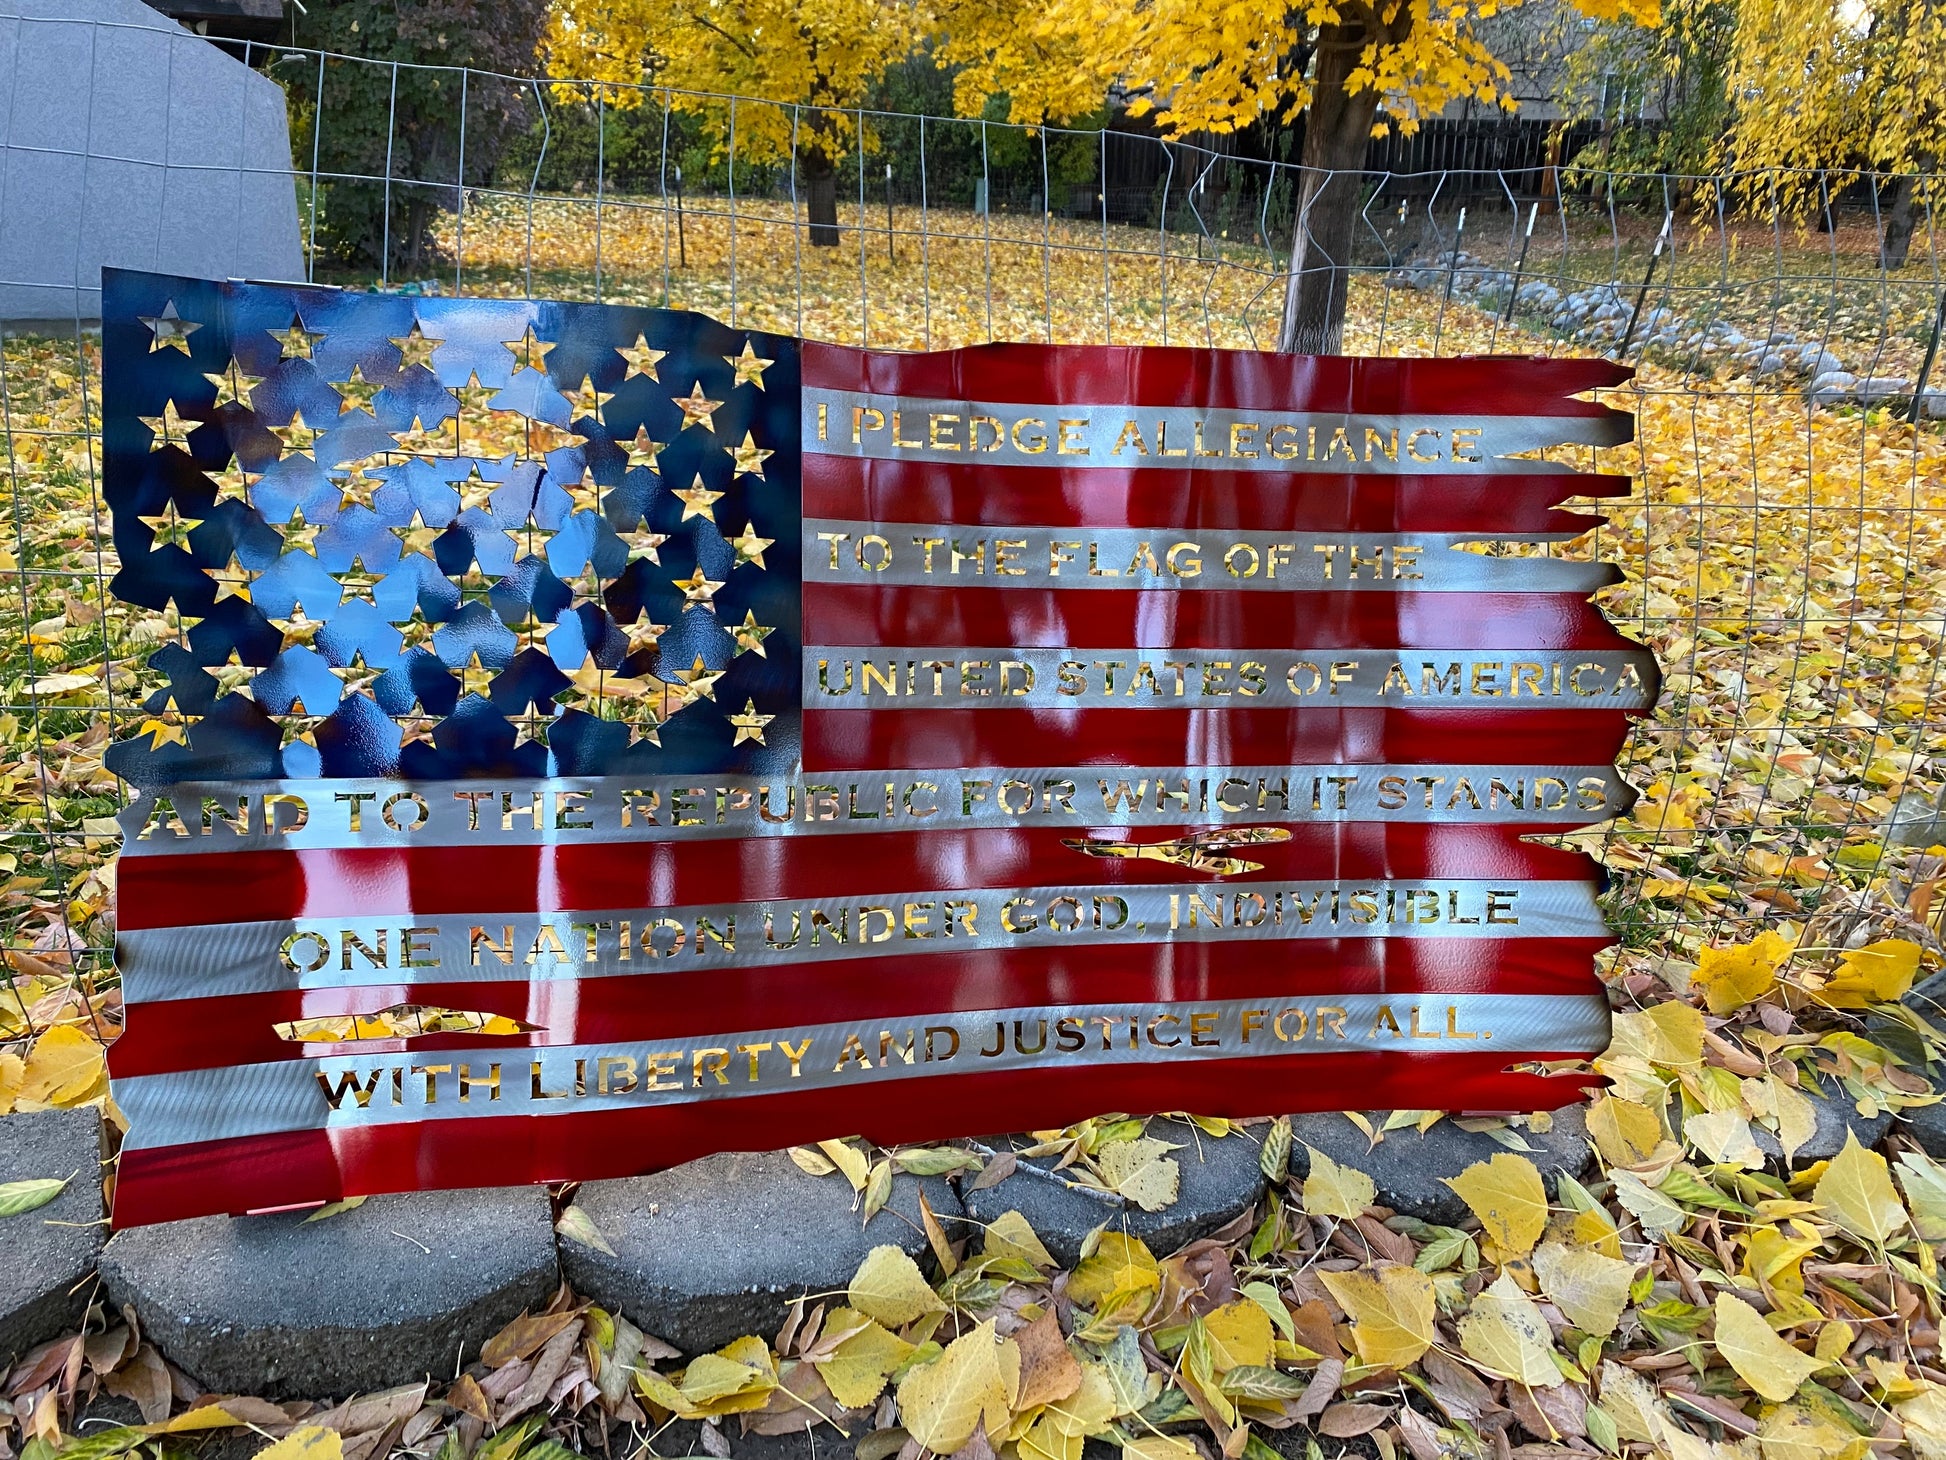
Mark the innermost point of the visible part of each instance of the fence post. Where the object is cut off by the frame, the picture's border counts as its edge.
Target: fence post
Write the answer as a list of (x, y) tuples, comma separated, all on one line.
[(1916, 412), (682, 244), (1527, 238), (1452, 259), (391, 132), (1452, 269), (459, 242), (1642, 294), (891, 253)]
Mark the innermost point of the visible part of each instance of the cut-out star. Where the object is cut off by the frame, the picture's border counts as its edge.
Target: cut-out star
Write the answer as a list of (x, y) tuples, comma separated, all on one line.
[(749, 547), (531, 730), (475, 586), (641, 359), (644, 633), (529, 538), (357, 584), (416, 731), (419, 439), (169, 329), (642, 450), (170, 527), (698, 501), (475, 678), (233, 386), (298, 725), (749, 366), (749, 725), (355, 675), (698, 409), (416, 538), (416, 629), (643, 724), (415, 347), (529, 352), (475, 400), (357, 489), (300, 536), (532, 628), (749, 457), (295, 343), (586, 586), (543, 437), (233, 483), (297, 438), (700, 681), (169, 726), (298, 630), (357, 393), (750, 635), (233, 677), (587, 683), (584, 494), (232, 580), (474, 490), (697, 590), (171, 428), (588, 401), (643, 544)]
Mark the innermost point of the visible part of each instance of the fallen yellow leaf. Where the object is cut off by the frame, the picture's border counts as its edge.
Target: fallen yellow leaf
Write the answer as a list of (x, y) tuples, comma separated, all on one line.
[(1856, 1192), (1874, 974), (977, 1378), (1506, 1194), (1504, 1333), (1391, 1311), (309, 1442), (1732, 977), (1762, 1360), (1331, 1190), (889, 1288), (62, 1067)]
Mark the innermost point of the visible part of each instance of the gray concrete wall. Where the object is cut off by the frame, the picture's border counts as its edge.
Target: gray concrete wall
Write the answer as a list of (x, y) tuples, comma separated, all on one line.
[(126, 141)]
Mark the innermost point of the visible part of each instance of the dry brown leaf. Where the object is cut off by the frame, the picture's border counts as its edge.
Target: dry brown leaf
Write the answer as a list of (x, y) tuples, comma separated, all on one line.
[(1048, 1372), (1344, 1421), (523, 1337)]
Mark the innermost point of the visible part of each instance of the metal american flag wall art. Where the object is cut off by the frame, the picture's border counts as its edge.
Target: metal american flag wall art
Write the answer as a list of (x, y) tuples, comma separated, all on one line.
[(597, 737)]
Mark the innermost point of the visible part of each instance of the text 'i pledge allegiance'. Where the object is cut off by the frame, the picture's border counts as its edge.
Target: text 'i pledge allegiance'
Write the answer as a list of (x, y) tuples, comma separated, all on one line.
[(847, 423)]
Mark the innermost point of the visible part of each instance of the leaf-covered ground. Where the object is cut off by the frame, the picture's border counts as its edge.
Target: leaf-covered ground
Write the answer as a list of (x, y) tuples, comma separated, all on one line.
[(1688, 1299)]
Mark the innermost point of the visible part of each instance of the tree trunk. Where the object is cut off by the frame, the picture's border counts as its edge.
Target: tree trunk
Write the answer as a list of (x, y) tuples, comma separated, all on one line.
[(418, 230), (1337, 130), (1896, 237), (820, 195)]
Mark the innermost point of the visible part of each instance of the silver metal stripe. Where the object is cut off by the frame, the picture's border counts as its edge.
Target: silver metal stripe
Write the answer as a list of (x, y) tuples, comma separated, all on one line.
[(265, 1099), (912, 677), (939, 554), (298, 815), (1188, 438), (510, 947)]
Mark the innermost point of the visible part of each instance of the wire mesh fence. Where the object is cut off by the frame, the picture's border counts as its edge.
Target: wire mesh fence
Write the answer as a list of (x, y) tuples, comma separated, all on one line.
[(1784, 552)]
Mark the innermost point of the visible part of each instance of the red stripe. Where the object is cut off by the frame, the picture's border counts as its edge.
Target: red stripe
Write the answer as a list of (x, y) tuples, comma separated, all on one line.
[(1498, 505), (238, 1175), (1150, 375), (979, 613), (170, 892), (210, 1033), (837, 740)]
